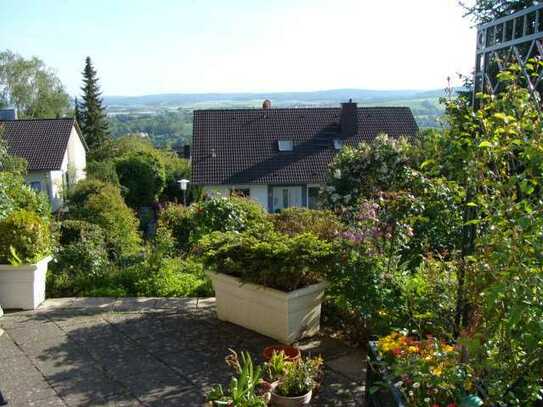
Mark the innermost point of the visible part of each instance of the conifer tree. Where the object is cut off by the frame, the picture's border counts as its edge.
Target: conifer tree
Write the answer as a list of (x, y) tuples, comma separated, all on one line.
[(77, 112), (93, 120)]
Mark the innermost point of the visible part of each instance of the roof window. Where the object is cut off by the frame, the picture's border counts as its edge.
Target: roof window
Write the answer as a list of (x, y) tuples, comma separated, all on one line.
[(285, 145), (338, 143)]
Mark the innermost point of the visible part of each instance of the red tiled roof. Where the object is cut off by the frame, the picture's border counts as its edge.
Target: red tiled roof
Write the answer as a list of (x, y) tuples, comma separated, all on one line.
[(240, 146), (42, 142)]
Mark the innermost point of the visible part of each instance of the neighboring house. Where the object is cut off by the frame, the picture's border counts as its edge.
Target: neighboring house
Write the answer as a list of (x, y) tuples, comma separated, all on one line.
[(280, 157), (55, 152)]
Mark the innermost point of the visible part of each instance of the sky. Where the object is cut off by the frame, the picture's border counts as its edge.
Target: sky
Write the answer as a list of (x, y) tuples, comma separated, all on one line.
[(193, 46)]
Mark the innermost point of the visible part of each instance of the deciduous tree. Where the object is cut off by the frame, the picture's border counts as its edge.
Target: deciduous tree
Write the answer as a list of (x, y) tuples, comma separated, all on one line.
[(31, 87)]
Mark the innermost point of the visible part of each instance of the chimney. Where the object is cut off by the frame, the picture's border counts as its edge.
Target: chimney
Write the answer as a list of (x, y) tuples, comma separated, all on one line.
[(348, 121), (266, 104), (8, 114)]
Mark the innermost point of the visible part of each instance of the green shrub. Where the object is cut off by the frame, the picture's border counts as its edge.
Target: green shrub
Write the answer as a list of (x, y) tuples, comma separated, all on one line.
[(270, 259), (103, 171), (80, 260), (15, 194), (178, 221), (232, 214), (292, 221), (24, 237), (236, 214), (143, 175), (102, 204), (175, 278)]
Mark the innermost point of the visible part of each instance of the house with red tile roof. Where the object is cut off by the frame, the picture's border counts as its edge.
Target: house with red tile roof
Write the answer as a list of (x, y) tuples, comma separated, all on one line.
[(280, 157), (54, 149)]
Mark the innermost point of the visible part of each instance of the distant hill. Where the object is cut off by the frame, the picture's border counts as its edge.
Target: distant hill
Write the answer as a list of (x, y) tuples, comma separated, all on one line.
[(167, 118), (323, 97)]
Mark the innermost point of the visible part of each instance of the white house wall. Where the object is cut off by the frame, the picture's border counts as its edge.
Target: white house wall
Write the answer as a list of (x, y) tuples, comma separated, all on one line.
[(75, 157)]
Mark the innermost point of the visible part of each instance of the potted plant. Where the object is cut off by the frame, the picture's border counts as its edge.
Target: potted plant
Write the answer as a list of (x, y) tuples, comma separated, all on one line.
[(25, 247), (295, 387), (290, 353), (268, 282), (245, 390)]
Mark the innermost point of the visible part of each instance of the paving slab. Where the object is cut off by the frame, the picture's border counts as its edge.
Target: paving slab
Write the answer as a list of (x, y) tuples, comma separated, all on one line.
[(143, 352)]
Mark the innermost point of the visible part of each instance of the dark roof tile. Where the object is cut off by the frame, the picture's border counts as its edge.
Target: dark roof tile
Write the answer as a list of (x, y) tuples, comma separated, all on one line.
[(42, 142), (240, 146)]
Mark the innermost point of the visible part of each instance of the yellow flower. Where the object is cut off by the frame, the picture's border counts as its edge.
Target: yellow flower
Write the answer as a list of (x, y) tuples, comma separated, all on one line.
[(437, 371), (412, 349)]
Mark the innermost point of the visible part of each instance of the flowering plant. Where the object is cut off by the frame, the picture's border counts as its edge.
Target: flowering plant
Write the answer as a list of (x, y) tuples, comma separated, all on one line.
[(427, 372)]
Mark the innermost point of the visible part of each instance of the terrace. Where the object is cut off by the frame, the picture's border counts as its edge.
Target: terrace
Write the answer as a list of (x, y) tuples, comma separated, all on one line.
[(142, 352)]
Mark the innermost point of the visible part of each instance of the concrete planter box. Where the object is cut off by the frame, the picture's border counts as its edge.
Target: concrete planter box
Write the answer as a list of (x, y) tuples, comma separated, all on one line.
[(283, 316), (23, 287)]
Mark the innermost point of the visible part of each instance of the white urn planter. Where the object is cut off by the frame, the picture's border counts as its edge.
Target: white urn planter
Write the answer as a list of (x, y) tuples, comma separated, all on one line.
[(284, 316), (23, 286)]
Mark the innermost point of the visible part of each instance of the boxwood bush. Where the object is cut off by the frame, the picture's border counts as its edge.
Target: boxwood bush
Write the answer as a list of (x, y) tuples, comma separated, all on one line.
[(271, 259), (25, 237)]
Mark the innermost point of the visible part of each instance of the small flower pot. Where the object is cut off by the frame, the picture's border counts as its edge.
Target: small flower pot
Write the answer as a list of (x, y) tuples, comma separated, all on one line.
[(282, 401), (292, 353)]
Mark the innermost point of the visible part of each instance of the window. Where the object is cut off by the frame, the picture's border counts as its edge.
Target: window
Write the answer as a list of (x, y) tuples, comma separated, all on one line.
[(313, 201), (244, 192), (285, 198), (36, 186), (285, 145), (338, 143)]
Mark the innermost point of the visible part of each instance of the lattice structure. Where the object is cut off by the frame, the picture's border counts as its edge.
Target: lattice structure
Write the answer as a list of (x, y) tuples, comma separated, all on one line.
[(514, 38)]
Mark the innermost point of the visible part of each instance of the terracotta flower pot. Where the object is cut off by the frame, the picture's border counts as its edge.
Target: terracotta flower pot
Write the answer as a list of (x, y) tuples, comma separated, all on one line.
[(282, 401), (292, 353)]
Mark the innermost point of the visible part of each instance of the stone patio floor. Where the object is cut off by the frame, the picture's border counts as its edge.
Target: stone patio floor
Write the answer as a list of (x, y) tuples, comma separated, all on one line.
[(142, 352)]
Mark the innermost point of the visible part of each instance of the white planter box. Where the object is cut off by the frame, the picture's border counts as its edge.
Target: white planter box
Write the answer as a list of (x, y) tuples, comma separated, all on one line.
[(283, 316), (23, 287)]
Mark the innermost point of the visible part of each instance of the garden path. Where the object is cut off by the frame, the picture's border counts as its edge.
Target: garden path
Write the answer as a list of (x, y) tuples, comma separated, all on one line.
[(141, 352)]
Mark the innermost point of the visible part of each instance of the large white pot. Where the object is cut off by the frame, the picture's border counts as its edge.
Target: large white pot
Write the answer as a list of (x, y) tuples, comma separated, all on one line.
[(23, 286), (283, 316)]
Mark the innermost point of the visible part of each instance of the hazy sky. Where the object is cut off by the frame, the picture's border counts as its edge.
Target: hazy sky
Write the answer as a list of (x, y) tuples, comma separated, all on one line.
[(167, 46)]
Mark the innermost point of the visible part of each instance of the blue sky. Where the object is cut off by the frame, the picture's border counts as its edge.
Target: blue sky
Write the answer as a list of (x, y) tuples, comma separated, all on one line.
[(168, 46)]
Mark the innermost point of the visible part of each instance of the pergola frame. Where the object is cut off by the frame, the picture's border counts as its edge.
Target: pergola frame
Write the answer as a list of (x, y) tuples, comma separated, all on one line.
[(514, 38)]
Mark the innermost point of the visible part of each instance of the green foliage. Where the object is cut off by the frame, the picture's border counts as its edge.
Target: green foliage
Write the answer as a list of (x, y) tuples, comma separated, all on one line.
[(164, 128), (15, 194), (242, 390), (189, 225), (232, 214), (270, 259), (143, 176), (25, 237), (293, 221), (93, 119), (81, 260), (299, 378), (365, 170), (102, 204), (496, 153), (177, 220), (103, 171), (483, 11), (8, 162), (427, 298), (32, 87), (173, 277)]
